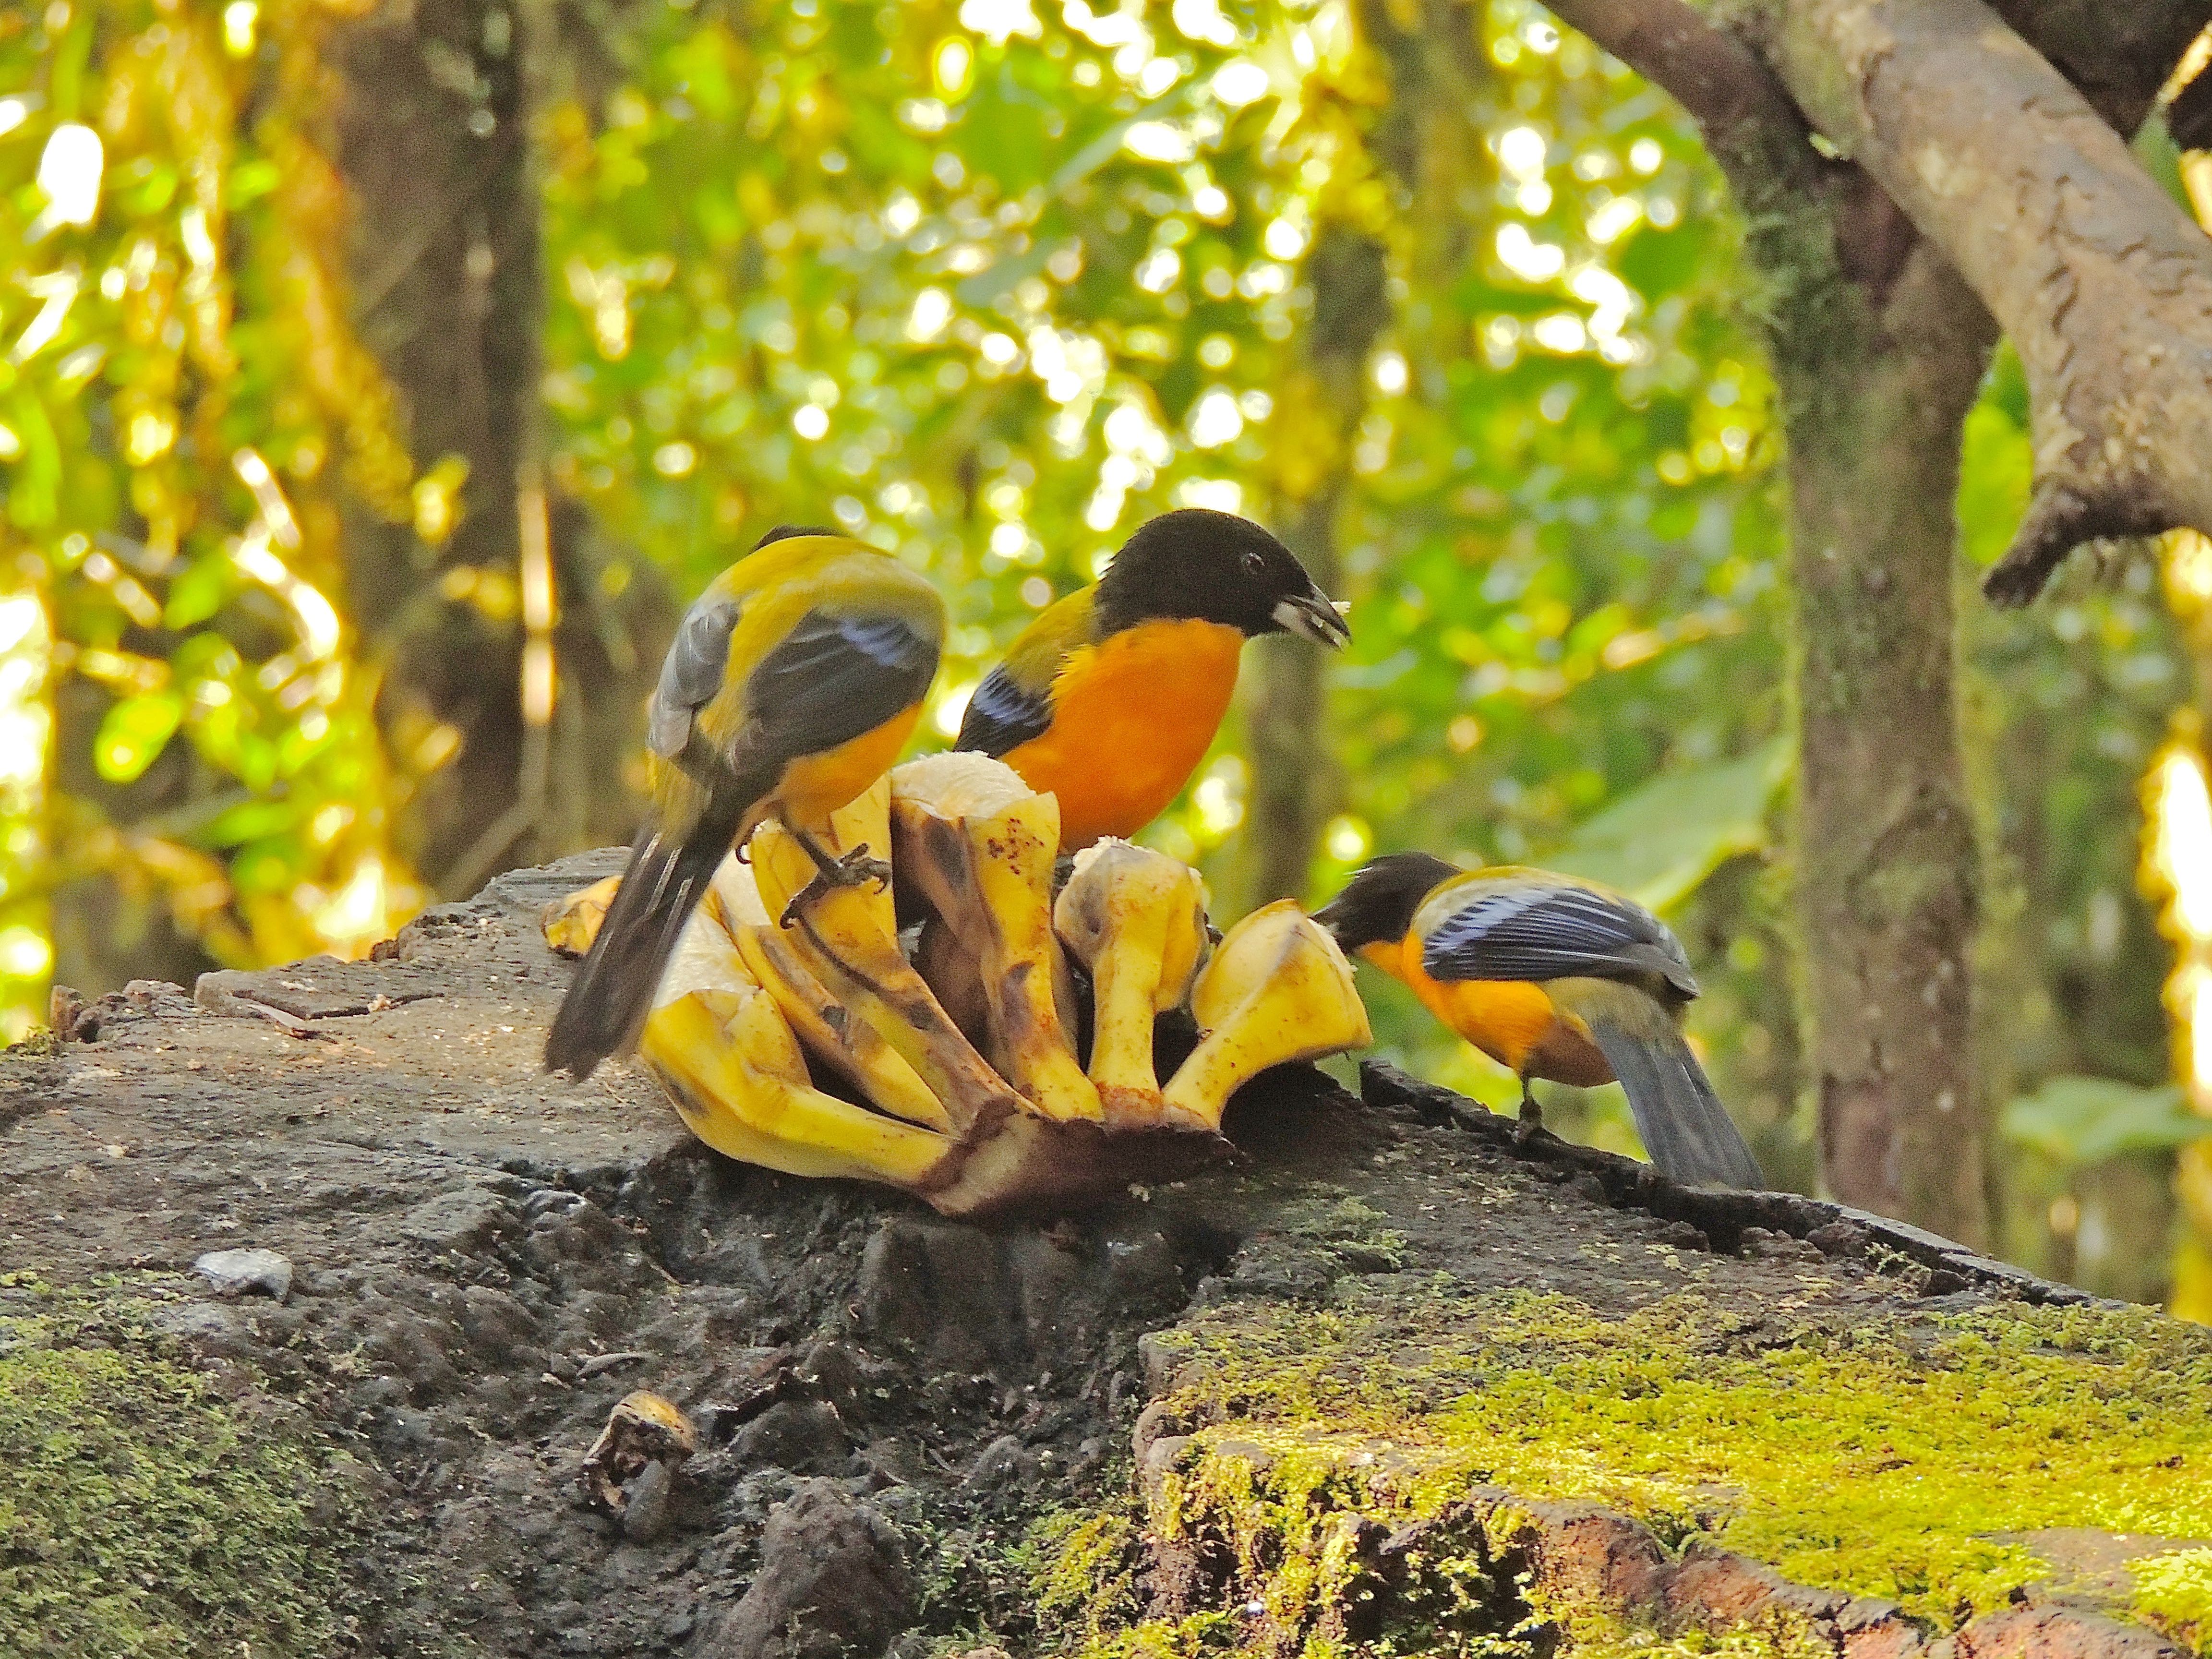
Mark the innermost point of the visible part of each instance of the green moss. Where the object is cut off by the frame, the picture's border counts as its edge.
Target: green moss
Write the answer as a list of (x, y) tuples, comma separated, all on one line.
[(1877, 1459), (141, 1513), (1084, 1569), (2174, 1592), (1350, 1231)]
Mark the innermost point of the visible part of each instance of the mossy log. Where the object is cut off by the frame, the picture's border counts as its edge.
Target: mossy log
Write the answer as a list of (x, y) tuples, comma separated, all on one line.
[(1396, 1385)]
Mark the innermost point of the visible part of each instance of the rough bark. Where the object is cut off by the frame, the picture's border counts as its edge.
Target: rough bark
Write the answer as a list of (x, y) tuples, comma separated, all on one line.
[(2117, 57), (2102, 282), (1886, 851), (476, 1264)]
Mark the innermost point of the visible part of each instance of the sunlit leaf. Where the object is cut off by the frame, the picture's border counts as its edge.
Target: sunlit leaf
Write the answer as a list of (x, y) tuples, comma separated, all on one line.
[(1656, 843), (134, 732)]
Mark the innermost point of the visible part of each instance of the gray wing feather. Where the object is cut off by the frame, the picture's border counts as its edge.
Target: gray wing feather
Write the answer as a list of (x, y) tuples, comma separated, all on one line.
[(1519, 928), (833, 679), (691, 674), (1680, 1120)]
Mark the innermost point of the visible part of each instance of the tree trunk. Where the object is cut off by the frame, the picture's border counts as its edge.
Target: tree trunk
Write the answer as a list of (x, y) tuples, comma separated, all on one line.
[(1293, 787), (2102, 282), (1876, 385), (434, 146), (1879, 347)]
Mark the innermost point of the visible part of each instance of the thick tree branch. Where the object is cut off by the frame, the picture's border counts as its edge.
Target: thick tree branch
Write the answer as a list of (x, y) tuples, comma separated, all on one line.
[(1749, 121), (2102, 282)]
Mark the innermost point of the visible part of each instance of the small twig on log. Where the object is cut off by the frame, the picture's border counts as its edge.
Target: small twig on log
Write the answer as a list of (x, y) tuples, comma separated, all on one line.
[(292, 1024)]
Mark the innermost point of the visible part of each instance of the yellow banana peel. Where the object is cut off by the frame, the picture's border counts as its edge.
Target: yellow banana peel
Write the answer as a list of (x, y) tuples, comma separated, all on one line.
[(718, 1043), (819, 1048), (848, 938), (980, 845), (1277, 990)]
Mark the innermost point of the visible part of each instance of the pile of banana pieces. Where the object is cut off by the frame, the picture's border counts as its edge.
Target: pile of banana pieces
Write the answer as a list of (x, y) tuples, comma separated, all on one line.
[(1001, 1052)]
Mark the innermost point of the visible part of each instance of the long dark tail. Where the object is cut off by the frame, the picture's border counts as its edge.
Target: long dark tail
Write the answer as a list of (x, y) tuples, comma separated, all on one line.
[(1684, 1126), (612, 991)]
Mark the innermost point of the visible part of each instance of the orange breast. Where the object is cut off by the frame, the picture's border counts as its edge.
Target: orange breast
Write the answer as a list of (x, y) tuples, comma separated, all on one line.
[(815, 786), (1132, 718), (1514, 1022)]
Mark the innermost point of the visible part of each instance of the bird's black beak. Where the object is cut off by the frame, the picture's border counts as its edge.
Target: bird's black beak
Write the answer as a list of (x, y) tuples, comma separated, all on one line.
[(1314, 615)]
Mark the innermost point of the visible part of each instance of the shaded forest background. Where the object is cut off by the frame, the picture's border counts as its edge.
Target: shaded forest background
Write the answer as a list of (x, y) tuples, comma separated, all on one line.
[(377, 379)]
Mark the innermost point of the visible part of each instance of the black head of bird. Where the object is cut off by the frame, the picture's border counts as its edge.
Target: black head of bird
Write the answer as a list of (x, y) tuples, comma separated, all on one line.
[(1215, 567), (1376, 906)]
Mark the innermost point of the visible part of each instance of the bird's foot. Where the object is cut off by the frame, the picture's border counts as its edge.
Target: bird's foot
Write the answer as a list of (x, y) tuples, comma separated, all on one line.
[(1531, 1122), (829, 874)]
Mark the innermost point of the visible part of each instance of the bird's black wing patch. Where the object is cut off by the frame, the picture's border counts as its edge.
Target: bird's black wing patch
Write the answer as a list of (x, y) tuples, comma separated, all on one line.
[(829, 680), (1001, 716), (1520, 927), (690, 675)]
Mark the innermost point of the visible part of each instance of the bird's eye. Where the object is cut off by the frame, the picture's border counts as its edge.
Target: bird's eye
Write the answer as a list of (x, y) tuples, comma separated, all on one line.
[(1255, 563)]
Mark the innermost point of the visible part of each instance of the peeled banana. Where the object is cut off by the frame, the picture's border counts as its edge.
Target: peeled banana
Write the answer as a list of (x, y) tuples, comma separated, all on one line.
[(847, 940), (818, 1049), (1136, 920), (979, 845), (1277, 990)]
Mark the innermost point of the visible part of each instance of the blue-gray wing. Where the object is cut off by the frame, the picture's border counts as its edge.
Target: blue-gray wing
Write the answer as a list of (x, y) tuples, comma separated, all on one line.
[(1002, 716), (690, 675), (1528, 926), (831, 679)]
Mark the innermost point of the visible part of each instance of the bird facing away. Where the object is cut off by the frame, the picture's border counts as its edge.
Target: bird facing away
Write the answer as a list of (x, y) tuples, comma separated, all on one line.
[(792, 683), (1111, 697), (1557, 978)]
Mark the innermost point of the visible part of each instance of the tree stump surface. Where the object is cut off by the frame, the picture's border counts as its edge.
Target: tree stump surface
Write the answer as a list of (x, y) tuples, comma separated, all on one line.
[(1398, 1384)]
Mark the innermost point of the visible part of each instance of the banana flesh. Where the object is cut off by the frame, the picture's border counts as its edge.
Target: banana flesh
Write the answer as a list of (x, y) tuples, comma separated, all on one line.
[(1277, 990), (1136, 920), (980, 845), (847, 939), (820, 1049), (730, 1063)]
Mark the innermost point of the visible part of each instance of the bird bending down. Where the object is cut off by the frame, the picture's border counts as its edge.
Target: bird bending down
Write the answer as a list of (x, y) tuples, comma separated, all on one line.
[(1557, 979), (793, 682), (1111, 697)]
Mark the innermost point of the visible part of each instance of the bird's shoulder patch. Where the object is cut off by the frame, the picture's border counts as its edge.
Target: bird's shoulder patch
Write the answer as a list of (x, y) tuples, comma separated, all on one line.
[(1001, 716), (1526, 925), (1014, 703)]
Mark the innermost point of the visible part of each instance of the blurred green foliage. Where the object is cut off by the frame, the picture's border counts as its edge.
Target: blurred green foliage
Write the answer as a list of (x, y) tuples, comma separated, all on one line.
[(990, 282), (183, 408)]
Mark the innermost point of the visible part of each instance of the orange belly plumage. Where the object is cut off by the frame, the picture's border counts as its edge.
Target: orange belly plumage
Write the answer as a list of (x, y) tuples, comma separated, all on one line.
[(1132, 718)]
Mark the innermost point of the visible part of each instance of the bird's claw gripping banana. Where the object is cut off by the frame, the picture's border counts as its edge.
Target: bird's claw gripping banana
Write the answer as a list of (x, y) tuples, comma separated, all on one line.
[(850, 870), (818, 1048)]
